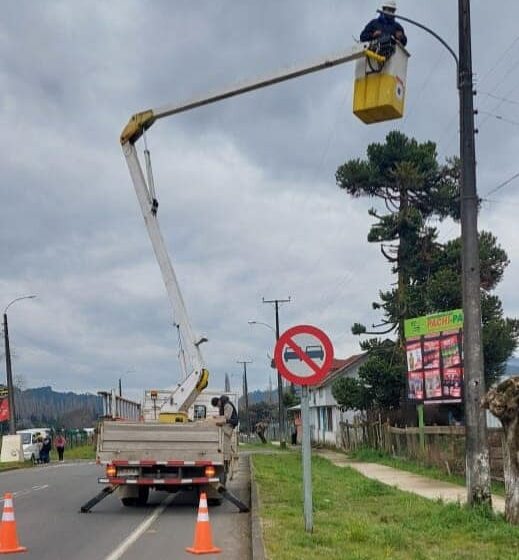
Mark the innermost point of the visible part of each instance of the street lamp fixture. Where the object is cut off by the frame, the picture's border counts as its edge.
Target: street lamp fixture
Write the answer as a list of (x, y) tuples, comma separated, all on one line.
[(8, 367), (261, 323)]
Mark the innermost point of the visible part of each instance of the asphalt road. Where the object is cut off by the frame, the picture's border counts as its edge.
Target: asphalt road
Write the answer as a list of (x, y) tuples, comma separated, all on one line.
[(47, 500)]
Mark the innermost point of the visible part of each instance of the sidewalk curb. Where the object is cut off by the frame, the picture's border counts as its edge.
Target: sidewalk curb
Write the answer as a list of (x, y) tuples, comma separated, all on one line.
[(258, 546)]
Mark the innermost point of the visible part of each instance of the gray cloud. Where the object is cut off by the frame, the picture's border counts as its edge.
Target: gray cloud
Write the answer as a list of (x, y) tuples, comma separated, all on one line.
[(248, 201)]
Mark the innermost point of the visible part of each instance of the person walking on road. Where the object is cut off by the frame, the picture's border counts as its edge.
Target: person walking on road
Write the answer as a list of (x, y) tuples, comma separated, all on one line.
[(60, 443)]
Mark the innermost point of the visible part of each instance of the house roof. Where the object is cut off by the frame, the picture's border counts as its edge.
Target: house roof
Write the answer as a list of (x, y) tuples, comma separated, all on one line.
[(341, 367)]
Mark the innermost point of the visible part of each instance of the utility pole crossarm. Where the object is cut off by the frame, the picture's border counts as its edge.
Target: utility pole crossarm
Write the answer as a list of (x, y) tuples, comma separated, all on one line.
[(140, 122)]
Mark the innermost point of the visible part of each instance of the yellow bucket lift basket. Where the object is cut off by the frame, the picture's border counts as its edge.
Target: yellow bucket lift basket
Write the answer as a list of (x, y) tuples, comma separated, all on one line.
[(379, 95)]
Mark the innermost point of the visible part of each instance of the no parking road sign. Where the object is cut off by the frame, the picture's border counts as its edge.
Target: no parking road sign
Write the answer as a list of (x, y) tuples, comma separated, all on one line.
[(304, 355)]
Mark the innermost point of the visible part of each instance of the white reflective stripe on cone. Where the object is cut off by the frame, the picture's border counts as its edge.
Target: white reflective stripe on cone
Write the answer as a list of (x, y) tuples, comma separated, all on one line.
[(8, 503), (203, 502), (8, 516), (203, 517)]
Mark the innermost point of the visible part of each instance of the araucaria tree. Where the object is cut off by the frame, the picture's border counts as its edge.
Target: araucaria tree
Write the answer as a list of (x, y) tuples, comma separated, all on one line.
[(405, 178)]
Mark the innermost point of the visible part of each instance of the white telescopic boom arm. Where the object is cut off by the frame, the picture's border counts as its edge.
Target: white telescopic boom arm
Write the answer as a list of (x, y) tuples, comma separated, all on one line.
[(140, 122), (186, 392)]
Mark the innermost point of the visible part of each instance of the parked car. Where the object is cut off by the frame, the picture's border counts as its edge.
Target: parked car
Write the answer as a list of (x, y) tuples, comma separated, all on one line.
[(31, 451)]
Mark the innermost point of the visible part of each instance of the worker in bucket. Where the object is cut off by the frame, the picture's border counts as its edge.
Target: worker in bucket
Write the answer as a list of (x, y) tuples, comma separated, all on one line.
[(384, 25), (229, 421)]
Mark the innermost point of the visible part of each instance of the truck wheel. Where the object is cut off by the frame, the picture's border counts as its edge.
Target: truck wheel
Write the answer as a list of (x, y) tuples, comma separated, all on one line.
[(129, 502), (142, 498)]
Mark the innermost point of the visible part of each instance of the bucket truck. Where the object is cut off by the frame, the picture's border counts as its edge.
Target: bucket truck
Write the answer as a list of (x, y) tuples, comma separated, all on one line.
[(159, 445)]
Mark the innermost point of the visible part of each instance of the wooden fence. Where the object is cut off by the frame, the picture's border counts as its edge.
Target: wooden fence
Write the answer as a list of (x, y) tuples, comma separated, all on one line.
[(439, 446)]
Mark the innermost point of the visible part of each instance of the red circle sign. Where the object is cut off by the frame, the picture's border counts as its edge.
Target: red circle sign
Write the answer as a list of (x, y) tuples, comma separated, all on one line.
[(303, 355)]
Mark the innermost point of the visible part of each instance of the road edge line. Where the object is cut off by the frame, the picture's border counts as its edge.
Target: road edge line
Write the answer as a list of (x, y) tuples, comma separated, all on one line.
[(132, 537)]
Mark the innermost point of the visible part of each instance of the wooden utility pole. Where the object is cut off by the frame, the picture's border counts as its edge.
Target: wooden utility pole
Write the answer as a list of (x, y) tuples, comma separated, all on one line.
[(477, 454)]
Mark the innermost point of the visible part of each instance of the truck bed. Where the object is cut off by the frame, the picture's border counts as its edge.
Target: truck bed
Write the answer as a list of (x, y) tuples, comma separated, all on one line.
[(153, 441)]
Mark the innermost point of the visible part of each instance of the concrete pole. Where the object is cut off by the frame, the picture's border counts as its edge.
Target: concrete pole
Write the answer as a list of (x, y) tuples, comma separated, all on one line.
[(307, 460), (10, 386), (477, 453), (281, 408), (246, 394)]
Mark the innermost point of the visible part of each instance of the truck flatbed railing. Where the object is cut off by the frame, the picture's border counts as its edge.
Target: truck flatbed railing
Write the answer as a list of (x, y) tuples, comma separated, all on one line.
[(116, 407)]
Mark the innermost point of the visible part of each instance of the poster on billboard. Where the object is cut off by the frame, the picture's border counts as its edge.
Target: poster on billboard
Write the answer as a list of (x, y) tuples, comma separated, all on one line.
[(4, 409), (434, 349)]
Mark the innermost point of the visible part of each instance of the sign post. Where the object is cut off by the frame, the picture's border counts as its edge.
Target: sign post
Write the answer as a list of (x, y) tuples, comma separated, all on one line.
[(307, 460), (304, 356)]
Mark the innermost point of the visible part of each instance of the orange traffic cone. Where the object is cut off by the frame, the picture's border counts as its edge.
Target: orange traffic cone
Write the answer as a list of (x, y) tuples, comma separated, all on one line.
[(203, 538), (8, 539)]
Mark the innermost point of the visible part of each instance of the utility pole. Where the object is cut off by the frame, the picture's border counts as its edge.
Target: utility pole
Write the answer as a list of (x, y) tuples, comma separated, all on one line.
[(10, 386), (477, 453), (227, 383), (246, 393), (281, 409)]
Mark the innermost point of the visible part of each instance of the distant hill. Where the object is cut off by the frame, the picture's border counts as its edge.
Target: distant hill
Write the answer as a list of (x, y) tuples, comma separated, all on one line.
[(42, 406)]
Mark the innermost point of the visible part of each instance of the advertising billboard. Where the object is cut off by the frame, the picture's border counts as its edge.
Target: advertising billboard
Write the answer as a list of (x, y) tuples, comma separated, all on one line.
[(434, 347)]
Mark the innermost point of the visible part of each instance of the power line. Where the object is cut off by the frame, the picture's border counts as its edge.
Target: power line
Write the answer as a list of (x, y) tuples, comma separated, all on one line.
[(504, 99), (499, 118), (503, 184)]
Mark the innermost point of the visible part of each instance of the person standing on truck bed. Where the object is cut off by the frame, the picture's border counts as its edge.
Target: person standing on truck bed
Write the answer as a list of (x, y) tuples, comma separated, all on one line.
[(228, 411)]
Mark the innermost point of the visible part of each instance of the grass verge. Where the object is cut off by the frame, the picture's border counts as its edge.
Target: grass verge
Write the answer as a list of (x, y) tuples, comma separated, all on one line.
[(77, 452), (367, 455), (15, 465), (360, 519)]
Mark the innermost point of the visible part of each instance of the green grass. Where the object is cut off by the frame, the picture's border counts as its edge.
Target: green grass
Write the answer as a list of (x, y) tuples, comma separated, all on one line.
[(367, 455), (74, 453), (14, 465), (360, 519)]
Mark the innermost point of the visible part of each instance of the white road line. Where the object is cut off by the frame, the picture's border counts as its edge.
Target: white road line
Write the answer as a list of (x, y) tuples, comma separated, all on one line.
[(27, 491), (127, 543)]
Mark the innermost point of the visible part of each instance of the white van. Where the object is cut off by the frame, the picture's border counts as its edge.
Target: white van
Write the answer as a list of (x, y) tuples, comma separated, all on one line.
[(31, 450)]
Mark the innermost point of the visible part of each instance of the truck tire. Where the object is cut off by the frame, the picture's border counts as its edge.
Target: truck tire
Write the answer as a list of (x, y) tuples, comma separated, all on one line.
[(129, 502), (142, 498), (214, 501)]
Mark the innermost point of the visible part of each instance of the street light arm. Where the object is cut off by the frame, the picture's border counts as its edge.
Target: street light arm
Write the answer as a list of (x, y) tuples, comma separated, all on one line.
[(17, 299), (435, 35), (261, 323)]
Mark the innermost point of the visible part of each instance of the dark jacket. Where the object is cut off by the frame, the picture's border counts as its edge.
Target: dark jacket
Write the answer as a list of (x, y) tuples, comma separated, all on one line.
[(232, 418), (387, 25)]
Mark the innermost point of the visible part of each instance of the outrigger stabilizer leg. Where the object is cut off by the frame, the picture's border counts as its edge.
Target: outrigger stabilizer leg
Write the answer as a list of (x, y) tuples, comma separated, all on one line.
[(106, 491), (233, 499)]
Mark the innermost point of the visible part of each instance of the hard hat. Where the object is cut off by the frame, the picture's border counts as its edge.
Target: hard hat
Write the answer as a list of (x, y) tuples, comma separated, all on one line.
[(389, 6)]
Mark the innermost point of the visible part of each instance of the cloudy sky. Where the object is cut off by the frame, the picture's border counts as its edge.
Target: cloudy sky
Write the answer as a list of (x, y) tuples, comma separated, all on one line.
[(248, 202)]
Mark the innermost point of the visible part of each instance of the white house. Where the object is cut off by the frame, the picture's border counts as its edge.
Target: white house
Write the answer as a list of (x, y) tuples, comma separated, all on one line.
[(325, 413)]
